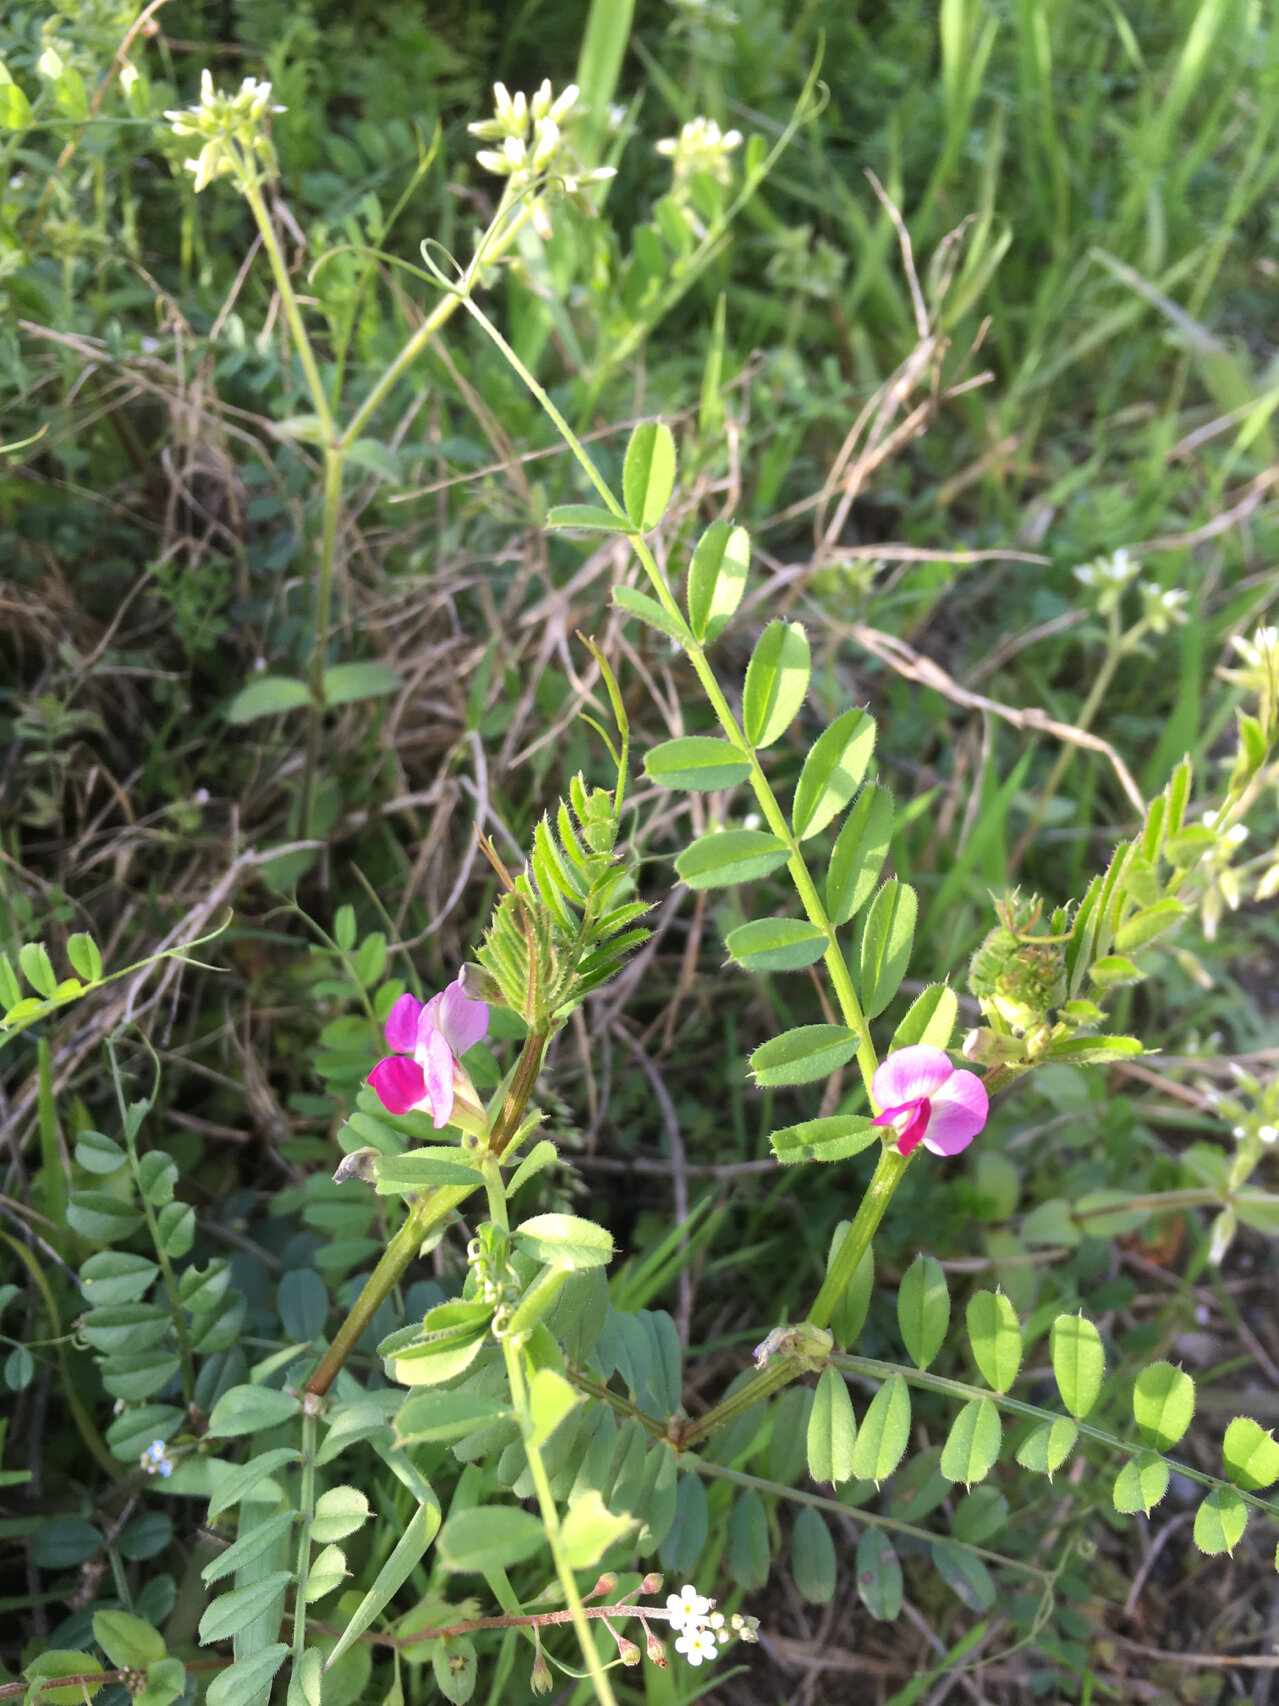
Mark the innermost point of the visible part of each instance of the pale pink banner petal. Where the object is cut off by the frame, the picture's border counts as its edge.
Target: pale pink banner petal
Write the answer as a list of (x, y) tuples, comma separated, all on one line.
[(463, 1021), (401, 1025), (909, 1074), (399, 1084), (959, 1111)]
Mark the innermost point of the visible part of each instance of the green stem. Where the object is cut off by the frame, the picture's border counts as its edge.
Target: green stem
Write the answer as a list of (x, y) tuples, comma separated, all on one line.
[(435, 1206), (884, 1181), (551, 1523), (334, 461), (781, 1370), (289, 303), (306, 1508), (836, 965)]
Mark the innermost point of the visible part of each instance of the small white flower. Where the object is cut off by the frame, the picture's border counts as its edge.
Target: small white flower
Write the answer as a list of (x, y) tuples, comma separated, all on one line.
[(1209, 819), (687, 1607), (1237, 834), (696, 1644), (1267, 1133)]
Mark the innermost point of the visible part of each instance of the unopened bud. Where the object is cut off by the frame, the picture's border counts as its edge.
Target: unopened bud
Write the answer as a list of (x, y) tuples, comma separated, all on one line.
[(627, 1651), (357, 1165), (656, 1651), (652, 1583), (606, 1584), (478, 984), (540, 1680)]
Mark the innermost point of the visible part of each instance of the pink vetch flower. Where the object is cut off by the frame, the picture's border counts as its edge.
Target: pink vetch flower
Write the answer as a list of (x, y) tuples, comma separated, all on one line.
[(926, 1100), (424, 1073)]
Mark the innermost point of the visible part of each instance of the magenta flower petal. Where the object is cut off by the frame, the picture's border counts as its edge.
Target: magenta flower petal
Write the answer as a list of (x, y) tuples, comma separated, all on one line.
[(462, 1021), (439, 1078), (959, 1111), (401, 1025), (399, 1084), (910, 1074)]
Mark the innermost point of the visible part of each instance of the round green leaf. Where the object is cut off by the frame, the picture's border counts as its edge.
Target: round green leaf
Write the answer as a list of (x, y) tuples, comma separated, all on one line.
[(776, 682), (832, 771), (803, 1055), (832, 1429), (812, 1557), (1251, 1455), (339, 1512), (923, 1309), (1163, 1404), (565, 1239), (129, 1642), (489, 1537), (1141, 1484), (1079, 1362), (1047, 1447), (730, 856), (717, 578), (101, 1217), (696, 762), (879, 1575), (250, 1409), (1220, 1521), (885, 1432), (972, 1445), (887, 937), (776, 944), (996, 1338), (648, 473)]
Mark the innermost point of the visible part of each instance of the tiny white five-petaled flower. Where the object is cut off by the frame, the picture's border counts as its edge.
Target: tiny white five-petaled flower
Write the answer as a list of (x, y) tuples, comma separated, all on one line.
[(687, 1607), (696, 1644)]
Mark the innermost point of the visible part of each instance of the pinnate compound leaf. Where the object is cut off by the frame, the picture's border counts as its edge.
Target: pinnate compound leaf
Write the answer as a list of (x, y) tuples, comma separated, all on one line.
[(879, 1576), (696, 762), (859, 853), (812, 1557), (1163, 1404), (1141, 1483), (972, 1446), (923, 1309), (833, 771), (1220, 1521), (832, 1430), (590, 1528), (776, 682), (803, 1055), (268, 696), (996, 1338), (717, 578), (930, 1019), (885, 1432), (776, 944), (1047, 1447), (887, 937), (648, 474), (1079, 1362), (730, 856), (1251, 1455), (833, 1138)]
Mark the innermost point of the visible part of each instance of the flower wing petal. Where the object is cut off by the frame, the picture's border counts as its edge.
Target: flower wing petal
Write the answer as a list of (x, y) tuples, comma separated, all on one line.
[(959, 1111), (910, 1074), (401, 1024), (464, 1022), (399, 1084), (438, 1067)]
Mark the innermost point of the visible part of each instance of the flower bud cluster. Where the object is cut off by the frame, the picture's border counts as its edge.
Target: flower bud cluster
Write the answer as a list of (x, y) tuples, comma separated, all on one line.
[(233, 129), (700, 147), (533, 150)]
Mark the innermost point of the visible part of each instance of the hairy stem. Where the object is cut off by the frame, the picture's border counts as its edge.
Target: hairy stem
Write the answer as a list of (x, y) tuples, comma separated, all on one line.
[(884, 1181), (306, 1509)]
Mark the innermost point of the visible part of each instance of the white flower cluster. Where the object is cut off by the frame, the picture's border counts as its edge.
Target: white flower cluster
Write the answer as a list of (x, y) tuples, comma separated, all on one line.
[(1163, 607), (1113, 571), (700, 147), (533, 149), (233, 128), (156, 1460), (701, 1630)]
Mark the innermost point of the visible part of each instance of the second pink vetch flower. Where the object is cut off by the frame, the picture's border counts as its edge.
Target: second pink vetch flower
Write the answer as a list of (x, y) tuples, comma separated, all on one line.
[(927, 1100), (429, 1039)]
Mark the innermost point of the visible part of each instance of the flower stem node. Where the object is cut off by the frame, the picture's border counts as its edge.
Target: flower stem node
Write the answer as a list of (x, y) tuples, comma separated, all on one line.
[(313, 1403), (812, 1345)]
